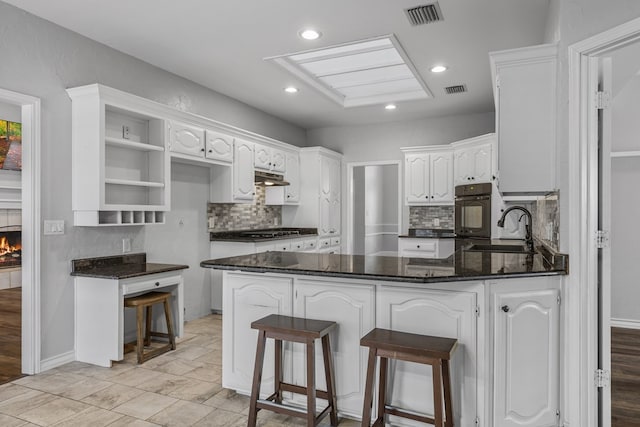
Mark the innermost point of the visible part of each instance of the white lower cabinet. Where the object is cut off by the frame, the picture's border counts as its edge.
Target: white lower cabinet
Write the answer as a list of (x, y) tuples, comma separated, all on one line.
[(353, 308), (450, 314), (526, 328), (250, 298)]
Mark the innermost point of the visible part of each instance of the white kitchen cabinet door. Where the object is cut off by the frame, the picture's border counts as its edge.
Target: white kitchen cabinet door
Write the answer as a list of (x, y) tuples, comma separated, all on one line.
[(292, 176), (218, 146), (186, 139), (482, 163), (526, 358), (325, 222), (462, 166), (447, 314), (441, 177), (247, 298), (325, 176), (353, 308), (417, 178), (278, 161), (262, 157), (243, 172)]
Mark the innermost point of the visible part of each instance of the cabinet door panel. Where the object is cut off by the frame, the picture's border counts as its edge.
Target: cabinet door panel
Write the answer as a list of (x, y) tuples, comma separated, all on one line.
[(463, 166), (186, 139), (417, 178), (526, 358), (219, 146), (441, 177), (352, 307), (325, 176), (262, 157), (243, 172), (246, 299), (439, 313), (482, 165), (292, 176), (278, 163), (325, 222)]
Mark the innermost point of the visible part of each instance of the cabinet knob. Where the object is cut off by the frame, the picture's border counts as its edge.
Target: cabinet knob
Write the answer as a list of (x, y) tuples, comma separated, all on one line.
[(288, 195), (157, 283), (468, 178), (202, 149), (418, 246), (432, 197), (505, 308), (473, 178), (426, 197), (211, 151)]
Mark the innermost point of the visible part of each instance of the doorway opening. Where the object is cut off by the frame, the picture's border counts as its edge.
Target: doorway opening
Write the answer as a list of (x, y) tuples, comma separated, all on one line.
[(374, 208), (20, 228)]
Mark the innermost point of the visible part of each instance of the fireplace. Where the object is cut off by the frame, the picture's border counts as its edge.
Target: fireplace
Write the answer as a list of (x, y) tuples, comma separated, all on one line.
[(10, 249)]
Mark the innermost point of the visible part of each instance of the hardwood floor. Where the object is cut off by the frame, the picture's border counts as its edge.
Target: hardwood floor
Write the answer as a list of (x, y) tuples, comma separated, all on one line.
[(625, 377), (10, 334)]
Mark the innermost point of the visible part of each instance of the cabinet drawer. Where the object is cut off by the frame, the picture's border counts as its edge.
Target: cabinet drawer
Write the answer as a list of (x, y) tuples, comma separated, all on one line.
[(297, 245), (417, 254), (147, 284), (282, 246), (422, 245), (335, 241), (324, 243), (310, 244)]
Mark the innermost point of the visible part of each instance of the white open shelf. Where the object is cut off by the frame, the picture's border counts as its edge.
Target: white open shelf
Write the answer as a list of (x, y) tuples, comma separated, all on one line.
[(119, 142), (116, 181), (625, 154), (124, 217)]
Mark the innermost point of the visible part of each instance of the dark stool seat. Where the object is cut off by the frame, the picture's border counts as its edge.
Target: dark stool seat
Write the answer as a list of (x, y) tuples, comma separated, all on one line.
[(144, 334), (434, 351), (294, 329)]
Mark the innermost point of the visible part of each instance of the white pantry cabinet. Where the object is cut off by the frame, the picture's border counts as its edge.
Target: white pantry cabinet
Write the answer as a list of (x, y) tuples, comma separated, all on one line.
[(428, 177), (473, 160), (251, 297), (450, 314), (120, 169), (353, 308), (269, 158), (525, 97), (526, 353)]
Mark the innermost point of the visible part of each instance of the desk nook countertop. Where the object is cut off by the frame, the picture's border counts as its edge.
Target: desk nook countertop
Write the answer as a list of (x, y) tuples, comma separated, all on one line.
[(120, 267)]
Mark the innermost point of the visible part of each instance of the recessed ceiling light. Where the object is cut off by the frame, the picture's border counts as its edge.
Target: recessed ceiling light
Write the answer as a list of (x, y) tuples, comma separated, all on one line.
[(438, 69), (309, 34), (390, 107), (291, 89)]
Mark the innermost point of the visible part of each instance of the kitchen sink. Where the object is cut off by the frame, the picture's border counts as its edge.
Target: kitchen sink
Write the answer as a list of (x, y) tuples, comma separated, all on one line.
[(498, 248)]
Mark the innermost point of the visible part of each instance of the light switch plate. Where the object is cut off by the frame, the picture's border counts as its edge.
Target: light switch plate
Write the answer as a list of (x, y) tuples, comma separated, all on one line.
[(52, 227), (126, 245)]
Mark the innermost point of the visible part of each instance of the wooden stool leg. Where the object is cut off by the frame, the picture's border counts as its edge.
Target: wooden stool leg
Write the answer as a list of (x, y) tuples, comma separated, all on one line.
[(382, 391), (139, 334), (330, 379), (448, 402), (257, 379), (311, 383), (437, 394), (368, 390), (277, 381), (169, 317), (147, 331)]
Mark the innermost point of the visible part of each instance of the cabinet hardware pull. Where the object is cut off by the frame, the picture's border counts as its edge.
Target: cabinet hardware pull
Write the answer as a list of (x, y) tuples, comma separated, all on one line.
[(505, 308), (157, 283), (202, 149)]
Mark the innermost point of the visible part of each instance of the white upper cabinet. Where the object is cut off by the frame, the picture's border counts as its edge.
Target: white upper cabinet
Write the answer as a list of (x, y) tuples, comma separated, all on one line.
[(525, 97), (218, 146), (473, 160), (429, 178), (186, 139), (192, 142), (290, 194), (269, 158), (243, 172)]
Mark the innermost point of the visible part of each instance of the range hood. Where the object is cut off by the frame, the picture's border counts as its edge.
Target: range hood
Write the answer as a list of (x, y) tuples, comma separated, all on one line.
[(269, 179)]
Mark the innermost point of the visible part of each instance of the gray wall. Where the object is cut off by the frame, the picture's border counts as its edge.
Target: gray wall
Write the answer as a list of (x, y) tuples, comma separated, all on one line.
[(10, 112), (47, 59)]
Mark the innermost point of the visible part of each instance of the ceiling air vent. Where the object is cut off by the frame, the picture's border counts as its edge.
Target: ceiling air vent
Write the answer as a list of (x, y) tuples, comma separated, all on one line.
[(455, 89), (426, 14)]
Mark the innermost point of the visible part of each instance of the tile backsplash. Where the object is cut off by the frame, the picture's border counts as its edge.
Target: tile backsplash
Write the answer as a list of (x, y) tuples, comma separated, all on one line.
[(546, 220), (241, 216), (423, 216)]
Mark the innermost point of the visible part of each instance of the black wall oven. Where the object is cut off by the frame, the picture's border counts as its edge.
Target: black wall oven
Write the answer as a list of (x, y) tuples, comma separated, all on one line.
[(473, 211)]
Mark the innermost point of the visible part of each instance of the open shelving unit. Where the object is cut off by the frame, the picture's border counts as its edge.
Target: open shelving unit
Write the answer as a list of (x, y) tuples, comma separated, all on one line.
[(620, 154), (120, 164)]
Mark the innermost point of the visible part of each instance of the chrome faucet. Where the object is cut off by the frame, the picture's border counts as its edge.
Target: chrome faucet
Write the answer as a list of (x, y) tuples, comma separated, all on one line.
[(527, 226)]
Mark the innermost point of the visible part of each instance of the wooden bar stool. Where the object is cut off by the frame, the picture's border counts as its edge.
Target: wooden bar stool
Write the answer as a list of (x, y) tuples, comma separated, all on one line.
[(146, 301), (285, 328), (434, 351)]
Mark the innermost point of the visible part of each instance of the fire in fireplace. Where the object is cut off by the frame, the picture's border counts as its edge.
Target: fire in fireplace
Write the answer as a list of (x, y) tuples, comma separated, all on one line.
[(10, 248)]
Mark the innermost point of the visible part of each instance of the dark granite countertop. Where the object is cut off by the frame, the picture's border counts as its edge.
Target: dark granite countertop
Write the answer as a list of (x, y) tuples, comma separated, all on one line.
[(462, 265), (262, 234), (120, 267), (430, 233)]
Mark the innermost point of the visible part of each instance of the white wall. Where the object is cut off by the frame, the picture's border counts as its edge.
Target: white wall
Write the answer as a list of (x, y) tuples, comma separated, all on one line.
[(359, 209), (381, 208), (45, 60)]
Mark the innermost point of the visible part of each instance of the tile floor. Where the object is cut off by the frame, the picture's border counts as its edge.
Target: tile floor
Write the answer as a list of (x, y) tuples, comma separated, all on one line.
[(179, 388)]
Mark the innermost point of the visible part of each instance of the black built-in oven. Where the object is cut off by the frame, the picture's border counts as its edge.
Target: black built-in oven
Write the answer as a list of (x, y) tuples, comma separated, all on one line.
[(473, 211)]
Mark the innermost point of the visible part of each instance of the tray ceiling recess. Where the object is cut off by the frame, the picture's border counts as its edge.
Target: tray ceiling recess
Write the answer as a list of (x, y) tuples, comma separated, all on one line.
[(366, 72)]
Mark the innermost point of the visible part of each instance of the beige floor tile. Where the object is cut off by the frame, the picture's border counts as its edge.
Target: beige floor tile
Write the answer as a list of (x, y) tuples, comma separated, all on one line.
[(11, 390), (84, 388), (197, 391), (211, 356), (220, 417), (172, 366), (127, 421), (54, 411), (135, 376), (209, 372), (58, 383), (112, 396), (181, 414), (145, 405), (18, 404), (94, 417), (163, 383), (9, 421), (229, 400), (190, 352)]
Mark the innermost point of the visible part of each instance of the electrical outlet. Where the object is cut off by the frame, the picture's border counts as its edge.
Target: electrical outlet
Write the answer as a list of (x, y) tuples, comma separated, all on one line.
[(53, 227), (126, 245), (125, 132), (436, 222), (211, 222)]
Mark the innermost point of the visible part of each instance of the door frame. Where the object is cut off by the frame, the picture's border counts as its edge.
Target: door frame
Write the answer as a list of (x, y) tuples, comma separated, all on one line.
[(582, 284), (350, 207), (31, 113)]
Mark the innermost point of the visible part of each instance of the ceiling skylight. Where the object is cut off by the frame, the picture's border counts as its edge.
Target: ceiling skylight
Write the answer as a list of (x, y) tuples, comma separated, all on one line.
[(373, 71)]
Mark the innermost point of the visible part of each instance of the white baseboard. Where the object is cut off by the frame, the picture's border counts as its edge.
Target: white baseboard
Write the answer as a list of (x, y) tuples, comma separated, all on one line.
[(59, 360), (625, 323)]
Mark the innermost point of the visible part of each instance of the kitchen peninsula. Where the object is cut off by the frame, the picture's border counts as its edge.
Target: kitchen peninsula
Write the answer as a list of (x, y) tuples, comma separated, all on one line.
[(503, 307)]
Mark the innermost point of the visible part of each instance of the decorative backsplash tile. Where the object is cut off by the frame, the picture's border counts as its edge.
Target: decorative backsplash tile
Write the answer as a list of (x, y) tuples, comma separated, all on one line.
[(423, 216), (240, 216), (546, 220)]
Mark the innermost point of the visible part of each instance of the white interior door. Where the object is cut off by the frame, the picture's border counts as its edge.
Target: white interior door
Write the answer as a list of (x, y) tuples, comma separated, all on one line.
[(604, 224)]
